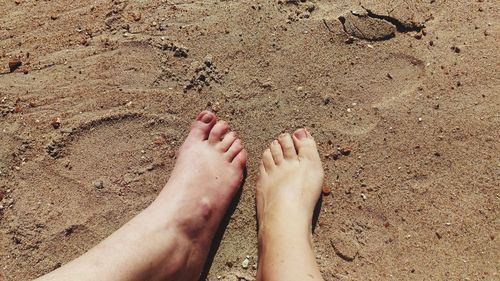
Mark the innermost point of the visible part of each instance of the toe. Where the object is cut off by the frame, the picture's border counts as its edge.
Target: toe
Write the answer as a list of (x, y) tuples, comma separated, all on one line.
[(201, 127), (218, 131), (305, 144), (241, 159), (287, 146), (233, 150), (276, 152), (227, 141), (267, 160)]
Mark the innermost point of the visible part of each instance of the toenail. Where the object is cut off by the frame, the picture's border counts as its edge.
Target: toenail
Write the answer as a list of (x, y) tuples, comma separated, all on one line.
[(207, 118), (301, 134)]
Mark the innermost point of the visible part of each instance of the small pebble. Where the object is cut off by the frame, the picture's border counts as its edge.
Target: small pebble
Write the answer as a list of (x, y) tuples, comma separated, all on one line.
[(327, 100), (346, 150), (14, 64), (245, 263), (136, 15), (326, 189), (56, 122), (99, 184), (208, 61), (310, 8)]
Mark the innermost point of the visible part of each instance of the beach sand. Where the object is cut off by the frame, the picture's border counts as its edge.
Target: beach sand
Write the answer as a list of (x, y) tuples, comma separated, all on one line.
[(403, 98)]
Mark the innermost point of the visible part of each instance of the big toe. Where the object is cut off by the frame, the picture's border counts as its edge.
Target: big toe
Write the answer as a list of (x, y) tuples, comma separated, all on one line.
[(305, 145), (201, 127)]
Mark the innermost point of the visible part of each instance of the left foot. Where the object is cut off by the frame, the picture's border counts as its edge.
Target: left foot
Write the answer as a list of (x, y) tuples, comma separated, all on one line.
[(206, 177)]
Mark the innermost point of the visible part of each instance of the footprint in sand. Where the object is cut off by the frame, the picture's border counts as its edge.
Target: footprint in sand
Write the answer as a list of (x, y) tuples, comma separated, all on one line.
[(378, 76), (376, 83), (144, 144)]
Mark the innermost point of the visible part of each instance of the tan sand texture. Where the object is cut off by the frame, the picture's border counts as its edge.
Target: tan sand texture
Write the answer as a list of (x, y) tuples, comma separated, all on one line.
[(402, 96)]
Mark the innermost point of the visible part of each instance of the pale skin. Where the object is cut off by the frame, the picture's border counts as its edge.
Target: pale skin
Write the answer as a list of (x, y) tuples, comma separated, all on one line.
[(164, 242)]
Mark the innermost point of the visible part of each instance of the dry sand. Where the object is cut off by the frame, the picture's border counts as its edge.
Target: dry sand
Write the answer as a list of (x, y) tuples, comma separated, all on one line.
[(91, 120)]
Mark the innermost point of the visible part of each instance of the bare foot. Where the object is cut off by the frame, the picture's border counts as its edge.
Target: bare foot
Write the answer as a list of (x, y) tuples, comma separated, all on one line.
[(207, 174), (288, 188), (290, 180), (170, 239)]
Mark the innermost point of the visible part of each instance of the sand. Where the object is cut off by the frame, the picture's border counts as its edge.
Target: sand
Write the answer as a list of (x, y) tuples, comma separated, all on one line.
[(96, 96)]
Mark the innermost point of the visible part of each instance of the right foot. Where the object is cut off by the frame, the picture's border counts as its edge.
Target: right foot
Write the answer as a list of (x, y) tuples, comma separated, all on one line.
[(288, 188), (290, 180)]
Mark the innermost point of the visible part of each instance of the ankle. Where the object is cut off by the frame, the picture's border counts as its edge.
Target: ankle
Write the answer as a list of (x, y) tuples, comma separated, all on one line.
[(285, 216), (287, 242), (278, 229), (189, 217)]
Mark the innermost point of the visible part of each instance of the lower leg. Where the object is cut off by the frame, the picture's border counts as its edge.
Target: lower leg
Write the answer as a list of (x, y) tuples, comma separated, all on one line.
[(287, 253), (133, 251), (288, 188)]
